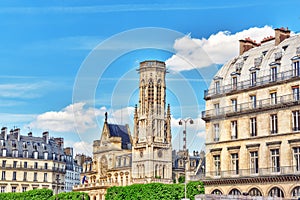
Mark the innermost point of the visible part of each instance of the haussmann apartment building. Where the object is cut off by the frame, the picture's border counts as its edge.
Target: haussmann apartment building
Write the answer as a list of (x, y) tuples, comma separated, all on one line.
[(253, 120)]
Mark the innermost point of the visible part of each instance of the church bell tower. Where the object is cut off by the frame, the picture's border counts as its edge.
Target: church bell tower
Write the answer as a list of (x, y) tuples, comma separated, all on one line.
[(152, 148)]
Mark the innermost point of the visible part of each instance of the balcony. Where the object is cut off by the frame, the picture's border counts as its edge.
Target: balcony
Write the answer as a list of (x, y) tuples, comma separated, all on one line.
[(271, 171), (249, 107), (98, 184), (247, 85), (32, 168)]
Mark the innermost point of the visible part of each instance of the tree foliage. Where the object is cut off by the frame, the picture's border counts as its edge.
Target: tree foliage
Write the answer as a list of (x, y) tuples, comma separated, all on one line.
[(154, 191)]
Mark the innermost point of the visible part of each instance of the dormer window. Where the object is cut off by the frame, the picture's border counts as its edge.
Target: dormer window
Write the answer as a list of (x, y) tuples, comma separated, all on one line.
[(24, 145), (234, 82), (285, 47), (253, 78), (264, 53), (217, 87), (258, 61), (273, 72), (278, 56), (298, 50)]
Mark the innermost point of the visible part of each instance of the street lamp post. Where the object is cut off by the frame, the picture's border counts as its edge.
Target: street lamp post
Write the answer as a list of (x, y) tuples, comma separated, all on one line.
[(185, 121)]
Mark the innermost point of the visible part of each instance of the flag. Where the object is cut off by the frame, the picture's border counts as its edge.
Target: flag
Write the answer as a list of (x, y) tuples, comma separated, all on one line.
[(84, 179)]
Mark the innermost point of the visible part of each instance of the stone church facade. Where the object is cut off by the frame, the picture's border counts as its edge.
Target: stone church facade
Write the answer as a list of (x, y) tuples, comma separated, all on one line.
[(120, 159)]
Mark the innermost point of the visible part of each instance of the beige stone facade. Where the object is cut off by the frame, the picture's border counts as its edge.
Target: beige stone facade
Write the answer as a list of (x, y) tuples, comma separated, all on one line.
[(29, 162), (253, 122)]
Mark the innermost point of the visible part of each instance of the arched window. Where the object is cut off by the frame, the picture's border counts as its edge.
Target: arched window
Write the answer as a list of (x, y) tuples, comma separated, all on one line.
[(296, 192), (276, 192), (158, 97), (217, 192), (255, 192), (234, 192), (150, 92)]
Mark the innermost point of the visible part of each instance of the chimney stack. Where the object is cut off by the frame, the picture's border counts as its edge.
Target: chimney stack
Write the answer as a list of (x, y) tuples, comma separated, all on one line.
[(46, 137), (17, 134), (281, 34), (59, 142), (4, 132), (68, 151), (247, 44)]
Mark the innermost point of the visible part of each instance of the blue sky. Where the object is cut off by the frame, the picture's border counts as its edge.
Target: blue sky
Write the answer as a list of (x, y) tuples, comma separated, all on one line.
[(46, 46)]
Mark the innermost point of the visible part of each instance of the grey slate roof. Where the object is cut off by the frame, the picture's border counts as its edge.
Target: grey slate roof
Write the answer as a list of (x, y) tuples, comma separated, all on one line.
[(122, 132)]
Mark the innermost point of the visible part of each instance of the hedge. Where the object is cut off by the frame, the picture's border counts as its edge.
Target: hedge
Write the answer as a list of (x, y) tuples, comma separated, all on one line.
[(154, 191), (43, 194), (40, 194), (71, 195)]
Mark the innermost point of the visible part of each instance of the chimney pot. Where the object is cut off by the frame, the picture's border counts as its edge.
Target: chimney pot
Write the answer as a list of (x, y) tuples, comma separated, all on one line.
[(281, 34)]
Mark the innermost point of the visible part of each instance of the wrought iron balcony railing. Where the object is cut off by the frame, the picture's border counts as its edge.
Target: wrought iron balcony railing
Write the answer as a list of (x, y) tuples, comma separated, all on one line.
[(268, 103), (249, 84), (271, 171)]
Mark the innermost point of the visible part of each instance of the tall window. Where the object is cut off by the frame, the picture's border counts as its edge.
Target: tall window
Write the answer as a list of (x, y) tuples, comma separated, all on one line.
[(3, 163), (234, 105), (217, 109), (2, 189), (253, 126), (4, 152), (254, 162), (275, 160), (235, 163), (234, 83), (13, 189), (296, 120), (276, 192), (253, 101), (3, 175), (25, 176), (273, 98), (234, 130), (273, 124), (217, 162), (35, 165), (273, 73), (14, 176), (217, 87), (296, 192), (24, 189), (15, 164), (296, 152), (216, 132), (45, 177), (15, 153), (25, 154), (25, 164), (151, 93), (296, 93), (296, 68), (35, 176), (46, 166), (253, 78), (158, 100)]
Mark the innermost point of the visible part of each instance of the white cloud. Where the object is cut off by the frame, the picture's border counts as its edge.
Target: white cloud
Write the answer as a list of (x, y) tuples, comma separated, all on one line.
[(122, 116), (24, 90), (75, 115), (217, 49)]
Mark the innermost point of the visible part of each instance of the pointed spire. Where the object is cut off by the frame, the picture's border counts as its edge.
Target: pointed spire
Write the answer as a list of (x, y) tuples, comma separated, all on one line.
[(169, 111), (135, 111), (105, 117)]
